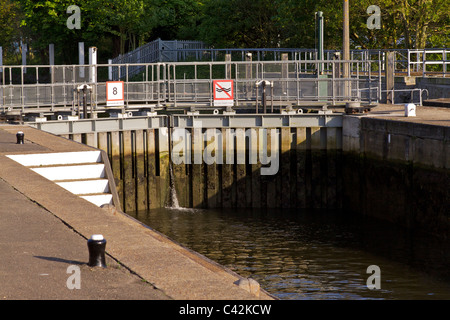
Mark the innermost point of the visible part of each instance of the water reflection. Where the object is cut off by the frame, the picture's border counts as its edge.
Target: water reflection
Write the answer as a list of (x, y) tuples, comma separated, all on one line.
[(312, 255)]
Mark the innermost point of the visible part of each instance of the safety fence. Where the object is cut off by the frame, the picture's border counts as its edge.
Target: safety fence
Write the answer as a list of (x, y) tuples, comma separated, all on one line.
[(287, 82), (408, 62)]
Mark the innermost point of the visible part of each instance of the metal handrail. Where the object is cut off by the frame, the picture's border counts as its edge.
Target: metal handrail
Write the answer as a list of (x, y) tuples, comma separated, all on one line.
[(159, 84)]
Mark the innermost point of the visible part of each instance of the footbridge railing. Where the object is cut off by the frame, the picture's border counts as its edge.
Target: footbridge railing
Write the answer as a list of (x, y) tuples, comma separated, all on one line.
[(51, 89)]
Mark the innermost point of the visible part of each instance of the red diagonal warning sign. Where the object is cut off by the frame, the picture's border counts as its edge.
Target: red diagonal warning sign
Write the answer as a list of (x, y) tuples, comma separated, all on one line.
[(223, 89), (220, 89)]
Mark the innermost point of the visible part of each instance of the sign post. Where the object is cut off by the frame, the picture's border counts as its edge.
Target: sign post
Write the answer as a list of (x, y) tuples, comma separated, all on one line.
[(223, 93), (114, 93)]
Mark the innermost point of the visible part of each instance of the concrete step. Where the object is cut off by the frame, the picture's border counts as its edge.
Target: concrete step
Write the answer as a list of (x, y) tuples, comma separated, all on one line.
[(60, 158), (78, 172), (98, 199), (81, 173), (86, 186)]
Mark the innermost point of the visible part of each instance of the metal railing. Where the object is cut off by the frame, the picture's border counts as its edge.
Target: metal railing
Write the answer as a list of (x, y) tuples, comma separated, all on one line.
[(418, 62), (174, 84), (425, 62), (42, 89), (158, 51)]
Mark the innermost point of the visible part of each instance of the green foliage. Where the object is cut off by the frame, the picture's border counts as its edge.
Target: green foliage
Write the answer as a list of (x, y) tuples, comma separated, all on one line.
[(118, 26), (240, 23), (10, 17)]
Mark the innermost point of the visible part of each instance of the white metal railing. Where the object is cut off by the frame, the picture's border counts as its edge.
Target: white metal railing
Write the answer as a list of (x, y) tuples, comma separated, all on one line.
[(407, 61), (418, 61), (157, 51), (54, 88)]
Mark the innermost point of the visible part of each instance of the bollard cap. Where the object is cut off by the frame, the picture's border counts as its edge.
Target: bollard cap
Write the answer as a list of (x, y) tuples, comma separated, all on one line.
[(97, 237)]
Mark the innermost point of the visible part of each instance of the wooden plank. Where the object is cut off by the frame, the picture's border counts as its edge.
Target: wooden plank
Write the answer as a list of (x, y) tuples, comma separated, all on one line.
[(103, 141), (331, 158), (323, 167), (254, 149), (210, 158), (272, 148), (141, 183), (227, 168), (129, 183), (91, 139), (301, 167), (153, 199), (179, 169), (116, 164), (197, 180), (285, 166), (164, 186), (77, 137), (263, 155), (240, 168), (316, 186)]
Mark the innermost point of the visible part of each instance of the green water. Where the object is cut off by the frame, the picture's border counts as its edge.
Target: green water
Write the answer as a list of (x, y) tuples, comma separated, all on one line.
[(312, 255)]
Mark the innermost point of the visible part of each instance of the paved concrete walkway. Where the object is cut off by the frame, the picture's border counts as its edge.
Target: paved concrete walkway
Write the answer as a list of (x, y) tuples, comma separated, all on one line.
[(427, 115), (44, 230), (37, 249)]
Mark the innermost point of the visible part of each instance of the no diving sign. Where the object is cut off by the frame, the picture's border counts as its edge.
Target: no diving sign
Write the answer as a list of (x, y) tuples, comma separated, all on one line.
[(223, 92), (114, 93)]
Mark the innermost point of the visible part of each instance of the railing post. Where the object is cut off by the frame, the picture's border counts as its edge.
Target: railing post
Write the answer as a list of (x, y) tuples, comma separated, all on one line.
[(81, 58), (409, 63), (424, 65), (93, 71)]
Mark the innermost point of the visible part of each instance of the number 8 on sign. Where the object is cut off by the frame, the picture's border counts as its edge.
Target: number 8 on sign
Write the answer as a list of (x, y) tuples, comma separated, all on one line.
[(114, 93)]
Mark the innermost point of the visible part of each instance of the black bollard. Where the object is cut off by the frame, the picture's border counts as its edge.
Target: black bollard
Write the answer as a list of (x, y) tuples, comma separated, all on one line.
[(96, 246), (20, 137)]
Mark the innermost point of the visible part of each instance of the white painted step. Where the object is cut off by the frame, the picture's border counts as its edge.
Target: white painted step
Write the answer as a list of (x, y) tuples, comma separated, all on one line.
[(78, 172), (98, 199), (81, 173), (60, 158), (85, 186)]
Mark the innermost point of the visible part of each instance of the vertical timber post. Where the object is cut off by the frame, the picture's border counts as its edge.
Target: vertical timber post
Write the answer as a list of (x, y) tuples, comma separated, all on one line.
[(129, 184), (197, 168), (301, 167), (151, 170), (285, 166), (141, 185), (240, 167), (389, 76), (255, 166), (227, 169), (116, 163)]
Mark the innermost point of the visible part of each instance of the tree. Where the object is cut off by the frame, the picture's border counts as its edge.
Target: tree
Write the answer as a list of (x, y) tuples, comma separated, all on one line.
[(240, 23), (10, 34), (174, 19), (405, 23), (114, 24), (120, 20)]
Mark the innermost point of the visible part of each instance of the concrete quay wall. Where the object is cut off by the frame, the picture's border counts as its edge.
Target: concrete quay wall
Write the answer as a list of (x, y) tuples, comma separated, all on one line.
[(399, 171), (437, 87)]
